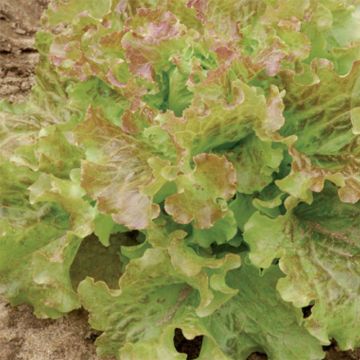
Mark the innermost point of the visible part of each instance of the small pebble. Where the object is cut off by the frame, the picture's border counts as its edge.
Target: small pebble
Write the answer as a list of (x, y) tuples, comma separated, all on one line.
[(20, 31), (25, 85)]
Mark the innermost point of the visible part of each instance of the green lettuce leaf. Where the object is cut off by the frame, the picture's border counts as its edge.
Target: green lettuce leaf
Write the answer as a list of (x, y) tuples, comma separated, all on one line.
[(16, 129), (166, 143), (62, 11), (223, 111), (132, 330), (333, 31), (255, 161), (322, 117), (241, 327), (69, 195), (319, 252), (221, 232), (117, 164), (199, 193), (36, 248), (232, 332)]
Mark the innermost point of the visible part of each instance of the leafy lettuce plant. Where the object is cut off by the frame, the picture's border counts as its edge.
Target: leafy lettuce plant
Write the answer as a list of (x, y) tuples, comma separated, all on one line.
[(190, 164)]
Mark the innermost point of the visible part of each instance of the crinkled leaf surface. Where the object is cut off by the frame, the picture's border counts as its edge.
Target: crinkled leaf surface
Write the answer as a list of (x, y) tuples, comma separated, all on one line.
[(221, 232), (199, 192), (255, 162), (16, 129), (161, 141), (318, 247), (321, 115), (116, 164), (69, 195), (334, 32), (140, 317), (133, 330), (36, 249), (257, 319), (223, 111)]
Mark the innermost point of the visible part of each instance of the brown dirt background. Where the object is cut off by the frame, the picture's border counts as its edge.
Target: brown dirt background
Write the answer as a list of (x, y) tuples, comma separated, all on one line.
[(18, 24), (23, 336)]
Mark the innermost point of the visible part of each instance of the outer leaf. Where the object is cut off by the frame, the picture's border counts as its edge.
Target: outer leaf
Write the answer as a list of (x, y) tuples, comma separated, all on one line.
[(319, 251), (207, 275), (36, 251), (241, 327), (55, 154), (128, 324), (202, 271), (117, 164), (69, 195), (49, 152), (16, 130), (39, 273)]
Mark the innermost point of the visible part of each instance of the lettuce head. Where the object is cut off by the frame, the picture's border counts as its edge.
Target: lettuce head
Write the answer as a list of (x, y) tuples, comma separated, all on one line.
[(193, 165)]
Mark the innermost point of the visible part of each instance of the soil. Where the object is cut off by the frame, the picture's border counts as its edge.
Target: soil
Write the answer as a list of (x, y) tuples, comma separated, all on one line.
[(23, 336), (18, 24)]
